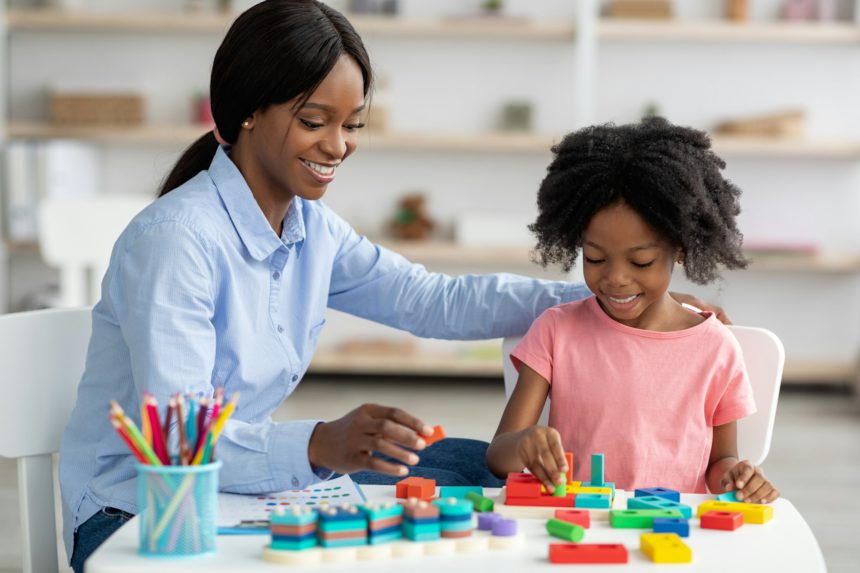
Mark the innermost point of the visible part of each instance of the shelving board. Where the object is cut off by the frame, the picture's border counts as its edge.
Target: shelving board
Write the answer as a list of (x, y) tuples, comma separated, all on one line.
[(729, 32), (463, 28)]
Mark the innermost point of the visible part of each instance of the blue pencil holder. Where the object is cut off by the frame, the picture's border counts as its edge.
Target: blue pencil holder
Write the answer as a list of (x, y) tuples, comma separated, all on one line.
[(178, 509)]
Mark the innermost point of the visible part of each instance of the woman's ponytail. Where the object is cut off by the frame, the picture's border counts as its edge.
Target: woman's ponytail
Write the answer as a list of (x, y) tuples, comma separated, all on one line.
[(194, 160)]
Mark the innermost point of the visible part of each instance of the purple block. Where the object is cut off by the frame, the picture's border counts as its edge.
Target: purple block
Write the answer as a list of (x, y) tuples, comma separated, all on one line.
[(505, 527), (660, 492), (672, 525), (486, 520)]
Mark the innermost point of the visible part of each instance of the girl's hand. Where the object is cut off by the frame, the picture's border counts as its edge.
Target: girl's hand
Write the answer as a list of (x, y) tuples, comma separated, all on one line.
[(541, 452), (348, 444), (749, 483)]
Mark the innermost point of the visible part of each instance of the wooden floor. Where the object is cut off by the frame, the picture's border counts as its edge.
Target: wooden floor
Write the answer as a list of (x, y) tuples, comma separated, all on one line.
[(814, 460)]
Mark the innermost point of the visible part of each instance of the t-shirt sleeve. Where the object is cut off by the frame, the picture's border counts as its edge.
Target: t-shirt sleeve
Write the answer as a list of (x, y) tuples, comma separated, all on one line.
[(535, 349), (737, 400)]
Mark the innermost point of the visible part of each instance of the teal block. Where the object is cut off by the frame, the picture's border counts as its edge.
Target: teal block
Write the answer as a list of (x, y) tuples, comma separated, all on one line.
[(423, 532), (353, 542), (356, 525), (457, 525), (295, 516), (597, 470), (384, 538), (459, 491), (730, 496), (592, 501), (657, 502), (376, 511), (454, 506), (294, 545)]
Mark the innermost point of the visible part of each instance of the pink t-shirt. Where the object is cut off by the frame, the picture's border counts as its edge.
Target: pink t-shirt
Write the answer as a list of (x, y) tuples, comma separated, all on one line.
[(647, 400)]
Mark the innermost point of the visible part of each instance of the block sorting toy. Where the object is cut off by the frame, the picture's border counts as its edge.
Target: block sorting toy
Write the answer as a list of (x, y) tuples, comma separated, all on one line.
[(588, 553), (723, 520), (665, 548)]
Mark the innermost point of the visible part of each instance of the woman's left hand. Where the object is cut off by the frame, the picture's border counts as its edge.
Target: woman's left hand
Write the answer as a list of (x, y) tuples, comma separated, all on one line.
[(691, 300), (750, 483)]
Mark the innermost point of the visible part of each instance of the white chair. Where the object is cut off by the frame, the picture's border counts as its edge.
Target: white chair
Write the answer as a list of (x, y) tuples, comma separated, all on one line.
[(764, 357), (77, 235), (41, 362)]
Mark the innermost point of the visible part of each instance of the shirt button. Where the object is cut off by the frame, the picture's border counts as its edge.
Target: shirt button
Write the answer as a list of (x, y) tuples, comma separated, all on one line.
[(295, 481), (276, 275), (280, 328), (295, 377)]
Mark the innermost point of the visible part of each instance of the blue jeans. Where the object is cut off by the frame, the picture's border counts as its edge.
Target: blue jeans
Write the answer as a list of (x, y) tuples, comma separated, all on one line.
[(94, 532), (452, 461)]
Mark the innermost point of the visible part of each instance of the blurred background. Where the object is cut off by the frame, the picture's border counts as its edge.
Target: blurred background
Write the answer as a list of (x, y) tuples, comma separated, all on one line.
[(100, 96)]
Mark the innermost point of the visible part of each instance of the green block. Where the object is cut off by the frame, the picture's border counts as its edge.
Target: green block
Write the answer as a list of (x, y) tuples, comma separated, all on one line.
[(479, 502), (459, 491), (560, 490), (294, 545), (565, 530), (639, 518)]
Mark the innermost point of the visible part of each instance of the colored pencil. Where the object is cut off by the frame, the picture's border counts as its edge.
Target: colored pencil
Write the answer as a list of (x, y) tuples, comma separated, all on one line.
[(135, 434), (184, 454), (123, 433), (155, 423)]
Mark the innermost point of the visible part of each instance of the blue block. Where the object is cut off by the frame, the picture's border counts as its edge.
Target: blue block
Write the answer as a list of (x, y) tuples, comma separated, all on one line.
[(672, 525), (296, 538), (459, 491), (421, 521), (730, 496), (597, 470), (592, 501), (454, 518), (660, 492)]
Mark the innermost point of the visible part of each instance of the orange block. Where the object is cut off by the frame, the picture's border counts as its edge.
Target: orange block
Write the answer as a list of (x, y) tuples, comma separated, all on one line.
[(542, 501), (522, 485), (568, 456), (417, 487), (438, 434)]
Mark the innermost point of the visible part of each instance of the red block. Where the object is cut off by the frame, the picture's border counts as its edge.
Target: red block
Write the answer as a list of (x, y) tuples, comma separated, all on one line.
[(542, 501), (568, 456), (421, 488), (438, 434), (725, 520), (587, 553), (580, 517), (522, 485)]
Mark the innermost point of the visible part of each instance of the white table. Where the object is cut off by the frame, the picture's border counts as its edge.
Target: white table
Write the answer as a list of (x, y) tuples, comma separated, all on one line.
[(784, 544)]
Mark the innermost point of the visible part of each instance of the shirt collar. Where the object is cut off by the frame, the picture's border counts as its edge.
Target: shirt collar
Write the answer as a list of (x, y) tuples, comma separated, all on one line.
[(248, 219)]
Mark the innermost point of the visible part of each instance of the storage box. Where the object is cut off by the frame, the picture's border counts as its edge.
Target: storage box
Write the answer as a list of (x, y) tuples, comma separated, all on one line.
[(640, 9), (96, 108)]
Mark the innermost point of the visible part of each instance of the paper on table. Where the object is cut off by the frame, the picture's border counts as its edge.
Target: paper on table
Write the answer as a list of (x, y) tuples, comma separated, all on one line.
[(233, 509)]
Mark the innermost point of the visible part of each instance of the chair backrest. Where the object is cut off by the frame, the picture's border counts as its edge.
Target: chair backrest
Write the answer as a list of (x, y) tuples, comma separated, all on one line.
[(41, 362), (77, 235), (764, 357)]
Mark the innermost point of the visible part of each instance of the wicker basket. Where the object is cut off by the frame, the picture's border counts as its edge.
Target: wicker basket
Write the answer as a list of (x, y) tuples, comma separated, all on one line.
[(640, 9), (96, 108)]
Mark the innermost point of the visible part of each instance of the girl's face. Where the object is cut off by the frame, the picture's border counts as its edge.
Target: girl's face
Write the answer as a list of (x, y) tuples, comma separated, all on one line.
[(297, 152), (628, 266)]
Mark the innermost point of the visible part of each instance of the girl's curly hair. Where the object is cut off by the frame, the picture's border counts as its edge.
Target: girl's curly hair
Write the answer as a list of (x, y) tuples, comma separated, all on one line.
[(667, 174)]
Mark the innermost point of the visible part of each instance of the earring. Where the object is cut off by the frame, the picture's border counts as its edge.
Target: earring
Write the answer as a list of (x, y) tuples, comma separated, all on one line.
[(246, 123)]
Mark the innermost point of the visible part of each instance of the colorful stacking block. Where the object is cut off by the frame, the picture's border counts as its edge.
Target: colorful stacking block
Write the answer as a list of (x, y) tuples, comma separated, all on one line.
[(580, 517), (657, 502), (568, 457), (565, 530), (522, 485), (725, 520), (592, 501), (459, 491), (560, 490), (294, 529), (421, 521), (542, 501), (639, 518), (479, 502), (505, 527), (486, 520), (730, 496), (665, 548), (670, 494), (342, 526), (455, 517), (597, 470), (672, 525), (438, 434), (606, 484), (384, 521), (417, 487), (587, 553), (753, 512)]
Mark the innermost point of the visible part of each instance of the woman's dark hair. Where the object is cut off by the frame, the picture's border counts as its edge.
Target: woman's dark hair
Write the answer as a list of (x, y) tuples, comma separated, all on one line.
[(666, 173), (274, 52)]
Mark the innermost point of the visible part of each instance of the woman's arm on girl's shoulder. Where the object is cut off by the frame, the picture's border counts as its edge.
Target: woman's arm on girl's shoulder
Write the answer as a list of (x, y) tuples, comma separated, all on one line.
[(519, 443), (726, 473)]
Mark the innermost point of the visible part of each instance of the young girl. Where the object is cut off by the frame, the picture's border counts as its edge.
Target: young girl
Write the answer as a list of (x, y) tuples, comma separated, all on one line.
[(634, 374)]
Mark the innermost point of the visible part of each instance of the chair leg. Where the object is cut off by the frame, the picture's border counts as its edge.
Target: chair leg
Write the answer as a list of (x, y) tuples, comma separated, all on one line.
[(36, 499)]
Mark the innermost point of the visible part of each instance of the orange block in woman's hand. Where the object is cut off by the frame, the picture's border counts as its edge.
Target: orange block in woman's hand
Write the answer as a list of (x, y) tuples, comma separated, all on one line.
[(438, 434)]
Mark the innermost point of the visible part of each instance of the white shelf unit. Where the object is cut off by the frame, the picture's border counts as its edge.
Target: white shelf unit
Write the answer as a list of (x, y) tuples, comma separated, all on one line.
[(577, 39)]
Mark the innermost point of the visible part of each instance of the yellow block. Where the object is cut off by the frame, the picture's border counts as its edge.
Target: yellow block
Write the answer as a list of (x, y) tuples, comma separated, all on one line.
[(665, 548), (603, 490), (571, 487), (753, 512)]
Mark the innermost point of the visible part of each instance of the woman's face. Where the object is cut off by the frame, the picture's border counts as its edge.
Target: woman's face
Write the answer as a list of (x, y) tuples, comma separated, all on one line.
[(296, 152)]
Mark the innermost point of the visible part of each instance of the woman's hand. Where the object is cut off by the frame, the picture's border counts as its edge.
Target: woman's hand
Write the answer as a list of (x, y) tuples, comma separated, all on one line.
[(701, 305), (540, 450), (749, 483), (348, 444)]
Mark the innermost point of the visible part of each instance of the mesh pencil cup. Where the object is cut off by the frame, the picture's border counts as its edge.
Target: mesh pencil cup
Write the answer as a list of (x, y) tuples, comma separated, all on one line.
[(178, 509)]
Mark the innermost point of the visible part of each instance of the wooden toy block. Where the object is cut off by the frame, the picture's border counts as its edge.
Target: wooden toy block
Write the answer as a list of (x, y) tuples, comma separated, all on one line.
[(453, 506), (665, 548), (294, 544), (657, 502), (381, 511), (587, 489), (522, 485), (609, 484), (587, 553), (753, 512), (511, 542), (580, 517), (543, 501), (560, 490), (505, 528), (572, 487), (592, 501), (639, 518), (565, 530), (293, 530), (730, 496), (293, 516), (486, 520), (438, 434), (672, 525), (417, 487), (459, 491), (724, 520), (418, 509), (597, 470), (669, 494), (568, 457), (479, 502)]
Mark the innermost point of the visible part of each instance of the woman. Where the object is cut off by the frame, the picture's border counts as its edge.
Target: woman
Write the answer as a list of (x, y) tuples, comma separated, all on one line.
[(224, 281)]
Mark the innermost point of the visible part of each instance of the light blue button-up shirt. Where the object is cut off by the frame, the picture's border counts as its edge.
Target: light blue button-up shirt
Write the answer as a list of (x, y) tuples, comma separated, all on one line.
[(201, 293)]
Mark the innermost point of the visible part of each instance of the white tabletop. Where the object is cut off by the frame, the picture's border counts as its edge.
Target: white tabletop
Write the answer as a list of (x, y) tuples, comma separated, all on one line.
[(784, 544)]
